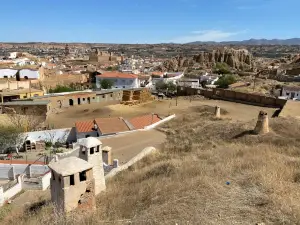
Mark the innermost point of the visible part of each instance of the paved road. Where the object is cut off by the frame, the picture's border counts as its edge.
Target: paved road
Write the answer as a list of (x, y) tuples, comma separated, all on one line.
[(126, 146)]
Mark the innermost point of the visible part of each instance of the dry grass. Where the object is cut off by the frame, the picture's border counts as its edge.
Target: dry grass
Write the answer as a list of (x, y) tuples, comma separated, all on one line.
[(186, 182)]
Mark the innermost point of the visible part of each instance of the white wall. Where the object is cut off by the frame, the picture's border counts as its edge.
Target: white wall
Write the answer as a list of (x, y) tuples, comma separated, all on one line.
[(120, 82), (45, 181), (11, 192), (288, 94), (21, 169)]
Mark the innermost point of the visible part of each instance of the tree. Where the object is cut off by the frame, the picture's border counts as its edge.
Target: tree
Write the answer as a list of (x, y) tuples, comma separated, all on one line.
[(61, 88), (225, 81), (10, 136), (222, 68), (171, 87), (106, 84), (160, 86)]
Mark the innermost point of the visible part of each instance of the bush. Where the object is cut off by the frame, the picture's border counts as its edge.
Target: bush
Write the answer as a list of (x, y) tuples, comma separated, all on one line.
[(225, 81), (222, 68), (106, 84), (62, 88)]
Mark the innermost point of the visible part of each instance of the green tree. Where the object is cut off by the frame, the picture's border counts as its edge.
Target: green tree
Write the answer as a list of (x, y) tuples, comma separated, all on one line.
[(61, 88), (171, 87), (222, 68), (106, 84), (10, 136), (225, 81)]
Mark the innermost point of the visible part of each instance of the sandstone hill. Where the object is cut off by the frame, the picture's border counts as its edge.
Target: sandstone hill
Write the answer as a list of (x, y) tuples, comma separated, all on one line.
[(240, 59)]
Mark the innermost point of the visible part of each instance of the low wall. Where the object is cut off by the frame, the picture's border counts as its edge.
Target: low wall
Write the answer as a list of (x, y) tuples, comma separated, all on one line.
[(33, 170), (135, 159), (160, 122), (235, 96), (45, 181), (12, 191)]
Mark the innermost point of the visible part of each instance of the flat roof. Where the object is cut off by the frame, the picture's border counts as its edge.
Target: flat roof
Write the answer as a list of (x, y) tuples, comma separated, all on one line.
[(70, 165), (27, 103), (20, 91)]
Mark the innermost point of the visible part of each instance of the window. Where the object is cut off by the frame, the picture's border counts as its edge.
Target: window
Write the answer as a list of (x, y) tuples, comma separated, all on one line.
[(5, 77), (83, 99), (111, 95), (72, 180), (93, 97), (98, 148), (24, 96), (82, 176), (53, 176), (59, 179), (92, 151), (103, 96)]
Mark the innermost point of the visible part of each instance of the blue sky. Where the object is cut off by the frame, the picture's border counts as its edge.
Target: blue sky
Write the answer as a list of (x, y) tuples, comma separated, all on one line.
[(147, 21)]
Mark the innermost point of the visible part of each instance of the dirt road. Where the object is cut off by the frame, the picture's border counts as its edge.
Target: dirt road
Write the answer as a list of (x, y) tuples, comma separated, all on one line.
[(126, 146), (235, 111)]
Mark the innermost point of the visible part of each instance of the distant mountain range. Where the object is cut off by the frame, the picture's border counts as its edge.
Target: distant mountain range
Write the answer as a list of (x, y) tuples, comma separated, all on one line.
[(291, 41)]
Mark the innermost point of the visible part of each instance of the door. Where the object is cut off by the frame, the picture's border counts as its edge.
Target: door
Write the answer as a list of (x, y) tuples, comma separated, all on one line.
[(292, 95)]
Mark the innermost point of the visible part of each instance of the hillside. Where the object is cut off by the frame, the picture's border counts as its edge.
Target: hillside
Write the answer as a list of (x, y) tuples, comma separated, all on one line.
[(291, 41), (208, 172)]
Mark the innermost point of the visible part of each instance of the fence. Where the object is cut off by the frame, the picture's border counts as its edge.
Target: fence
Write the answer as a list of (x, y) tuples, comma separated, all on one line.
[(235, 96)]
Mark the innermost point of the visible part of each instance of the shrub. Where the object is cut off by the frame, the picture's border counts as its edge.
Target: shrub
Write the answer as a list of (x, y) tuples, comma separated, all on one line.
[(106, 84), (225, 81)]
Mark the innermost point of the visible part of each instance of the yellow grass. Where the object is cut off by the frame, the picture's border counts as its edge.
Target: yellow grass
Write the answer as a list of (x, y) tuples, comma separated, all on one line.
[(185, 183)]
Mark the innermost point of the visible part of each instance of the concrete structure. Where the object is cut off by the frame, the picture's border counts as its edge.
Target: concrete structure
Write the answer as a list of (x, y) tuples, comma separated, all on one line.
[(193, 83), (106, 155), (291, 92), (262, 125), (217, 112), (7, 193), (10, 95), (90, 151), (119, 80), (23, 74), (72, 184)]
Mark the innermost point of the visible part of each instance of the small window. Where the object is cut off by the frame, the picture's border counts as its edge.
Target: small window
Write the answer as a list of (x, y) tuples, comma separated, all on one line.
[(83, 99), (83, 152), (98, 148), (93, 97), (111, 95), (53, 176), (103, 96), (24, 96), (72, 180), (82, 176), (5, 77), (92, 151), (59, 179)]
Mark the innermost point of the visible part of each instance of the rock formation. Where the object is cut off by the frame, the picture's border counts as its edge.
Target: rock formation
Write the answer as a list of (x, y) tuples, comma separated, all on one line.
[(237, 59)]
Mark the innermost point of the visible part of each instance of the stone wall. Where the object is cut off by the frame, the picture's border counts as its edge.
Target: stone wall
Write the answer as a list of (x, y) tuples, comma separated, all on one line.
[(234, 96)]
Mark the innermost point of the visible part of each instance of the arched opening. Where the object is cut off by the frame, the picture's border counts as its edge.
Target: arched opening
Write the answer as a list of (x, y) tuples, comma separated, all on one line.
[(26, 78), (78, 101), (89, 100), (71, 102)]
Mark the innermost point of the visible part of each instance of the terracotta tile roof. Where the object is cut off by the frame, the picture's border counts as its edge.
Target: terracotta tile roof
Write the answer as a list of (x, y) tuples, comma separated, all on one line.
[(111, 125), (84, 126), (117, 75), (143, 121)]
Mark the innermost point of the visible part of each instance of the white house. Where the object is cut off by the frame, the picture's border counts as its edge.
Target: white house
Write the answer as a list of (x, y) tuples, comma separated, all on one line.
[(291, 92), (167, 77), (23, 74), (13, 55), (120, 80)]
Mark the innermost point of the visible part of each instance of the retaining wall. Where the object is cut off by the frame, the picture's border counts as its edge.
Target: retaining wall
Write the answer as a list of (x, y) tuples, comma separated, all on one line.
[(135, 159), (11, 192), (9, 171)]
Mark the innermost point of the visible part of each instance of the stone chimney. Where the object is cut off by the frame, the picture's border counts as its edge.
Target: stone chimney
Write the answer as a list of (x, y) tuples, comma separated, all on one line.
[(218, 112), (262, 125)]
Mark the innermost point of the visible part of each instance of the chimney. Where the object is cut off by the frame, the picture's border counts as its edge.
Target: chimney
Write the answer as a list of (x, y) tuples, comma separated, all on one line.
[(262, 125), (217, 112)]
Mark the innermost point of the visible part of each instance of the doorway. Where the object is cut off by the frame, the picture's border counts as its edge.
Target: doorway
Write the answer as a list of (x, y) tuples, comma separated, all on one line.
[(71, 102), (89, 100), (292, 95), (78, 101)]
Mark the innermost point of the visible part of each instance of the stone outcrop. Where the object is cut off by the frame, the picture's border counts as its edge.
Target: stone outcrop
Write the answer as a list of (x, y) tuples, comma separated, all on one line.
[(237, 59)]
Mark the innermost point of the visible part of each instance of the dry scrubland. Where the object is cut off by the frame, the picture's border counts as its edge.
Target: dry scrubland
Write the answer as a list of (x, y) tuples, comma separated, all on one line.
[(186, 180)]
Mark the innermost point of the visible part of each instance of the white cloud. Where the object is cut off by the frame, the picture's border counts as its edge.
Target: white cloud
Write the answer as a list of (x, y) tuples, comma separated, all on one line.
[(205, 35)]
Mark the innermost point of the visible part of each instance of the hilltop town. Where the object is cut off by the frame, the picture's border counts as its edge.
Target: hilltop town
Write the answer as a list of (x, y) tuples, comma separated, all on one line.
[(149, 134)]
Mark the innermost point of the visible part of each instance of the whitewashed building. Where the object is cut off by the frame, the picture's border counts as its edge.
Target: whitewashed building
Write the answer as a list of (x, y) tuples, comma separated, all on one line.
[(291, 92), (119, 80)]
